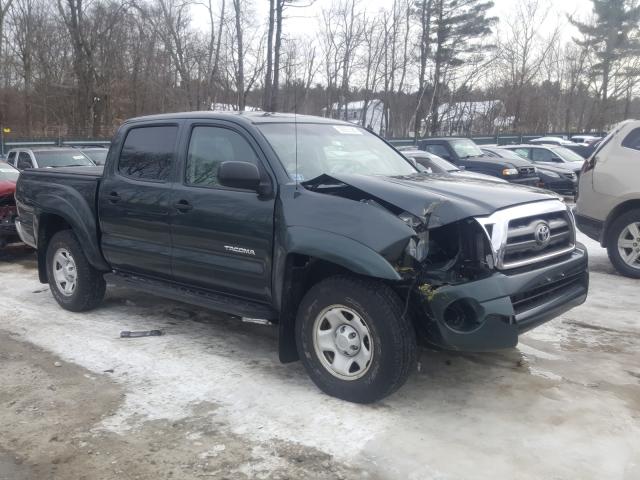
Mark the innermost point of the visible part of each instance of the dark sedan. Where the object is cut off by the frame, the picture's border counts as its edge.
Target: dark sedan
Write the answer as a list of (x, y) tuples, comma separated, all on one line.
[(554, 177)]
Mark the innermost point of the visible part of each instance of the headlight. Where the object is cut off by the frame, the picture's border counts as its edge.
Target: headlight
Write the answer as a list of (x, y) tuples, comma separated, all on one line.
[(418, 245), (551, 174), (508, 172)]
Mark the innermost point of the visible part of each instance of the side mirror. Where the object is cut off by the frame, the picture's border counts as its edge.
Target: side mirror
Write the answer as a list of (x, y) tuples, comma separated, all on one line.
[(557, 160), (462, 167), (243, 175)]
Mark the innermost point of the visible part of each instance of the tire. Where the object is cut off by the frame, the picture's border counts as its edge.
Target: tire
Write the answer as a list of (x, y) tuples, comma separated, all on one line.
[(616, 229), (83, 287), (386, 338)]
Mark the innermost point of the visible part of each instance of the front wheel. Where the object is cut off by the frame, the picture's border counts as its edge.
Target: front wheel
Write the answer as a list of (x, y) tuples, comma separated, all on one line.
[(623, 245), (354, 340), (74, 283)]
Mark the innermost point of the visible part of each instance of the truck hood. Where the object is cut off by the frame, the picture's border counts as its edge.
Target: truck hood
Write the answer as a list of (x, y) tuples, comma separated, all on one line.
[(444, 199)]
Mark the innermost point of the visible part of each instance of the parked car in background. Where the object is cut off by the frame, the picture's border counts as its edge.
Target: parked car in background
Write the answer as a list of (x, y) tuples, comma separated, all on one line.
[(8, 178), (435, 165), (582, 149), (550, 141), (556, 178), (586, 139), (549, 155), (463, 152), (97, 154), (608, 203), (47, 157)]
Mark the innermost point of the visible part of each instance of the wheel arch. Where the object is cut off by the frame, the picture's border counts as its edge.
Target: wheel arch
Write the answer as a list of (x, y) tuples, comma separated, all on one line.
[(620, 209), (308, 257), (52, 221)]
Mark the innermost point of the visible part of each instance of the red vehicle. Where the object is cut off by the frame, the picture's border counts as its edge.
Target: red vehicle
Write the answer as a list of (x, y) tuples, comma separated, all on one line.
[(8, 179)]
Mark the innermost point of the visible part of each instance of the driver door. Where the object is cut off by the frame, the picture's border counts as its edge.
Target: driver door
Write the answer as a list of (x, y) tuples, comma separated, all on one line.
[(222, 237)]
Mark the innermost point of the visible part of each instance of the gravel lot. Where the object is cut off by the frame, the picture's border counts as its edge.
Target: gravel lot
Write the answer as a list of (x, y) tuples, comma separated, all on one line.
[(209, 399)]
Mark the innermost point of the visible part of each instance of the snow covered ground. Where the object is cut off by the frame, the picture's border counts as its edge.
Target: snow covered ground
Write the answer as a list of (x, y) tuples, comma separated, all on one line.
[(564, 404)]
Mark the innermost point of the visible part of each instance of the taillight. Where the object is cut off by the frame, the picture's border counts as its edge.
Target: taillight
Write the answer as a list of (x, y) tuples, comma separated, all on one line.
[(589, 164)]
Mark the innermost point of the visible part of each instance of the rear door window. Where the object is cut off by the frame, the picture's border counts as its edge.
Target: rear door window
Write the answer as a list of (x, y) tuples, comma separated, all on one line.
[(148, 153), (11, 158), (632, 140), (24, 161), (541, 155)]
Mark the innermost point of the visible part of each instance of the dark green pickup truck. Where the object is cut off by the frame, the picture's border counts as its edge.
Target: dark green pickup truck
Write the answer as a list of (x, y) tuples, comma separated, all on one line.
[(314, 224)]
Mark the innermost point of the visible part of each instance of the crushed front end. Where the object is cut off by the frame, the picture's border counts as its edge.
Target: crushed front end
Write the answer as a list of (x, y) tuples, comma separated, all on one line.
[(478, 283), (8, 215)]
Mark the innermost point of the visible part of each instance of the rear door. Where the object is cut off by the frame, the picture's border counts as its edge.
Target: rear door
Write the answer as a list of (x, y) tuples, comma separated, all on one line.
[(222, 237), (134, 201), (617, 169)]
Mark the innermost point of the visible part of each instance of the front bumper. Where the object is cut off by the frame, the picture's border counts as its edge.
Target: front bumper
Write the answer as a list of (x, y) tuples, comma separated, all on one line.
[(529, 181), (591, 227), (563, 186), (505, 305)]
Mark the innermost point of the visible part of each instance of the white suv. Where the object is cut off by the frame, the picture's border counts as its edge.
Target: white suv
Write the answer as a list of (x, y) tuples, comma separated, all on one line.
[(608, 203)]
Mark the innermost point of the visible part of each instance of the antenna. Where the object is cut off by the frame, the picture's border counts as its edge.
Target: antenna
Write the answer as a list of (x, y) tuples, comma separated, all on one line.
[(295, 127)]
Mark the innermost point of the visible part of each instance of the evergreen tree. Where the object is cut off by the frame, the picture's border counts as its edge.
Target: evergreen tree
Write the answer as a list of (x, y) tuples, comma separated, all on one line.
[(612, 37), (457, 25)]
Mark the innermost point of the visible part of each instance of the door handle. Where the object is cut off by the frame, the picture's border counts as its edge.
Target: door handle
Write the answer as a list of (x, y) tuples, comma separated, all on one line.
[(183, 206), (113, 197)]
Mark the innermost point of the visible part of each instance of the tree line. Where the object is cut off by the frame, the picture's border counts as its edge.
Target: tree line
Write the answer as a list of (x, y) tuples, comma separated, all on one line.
[(80, 67)]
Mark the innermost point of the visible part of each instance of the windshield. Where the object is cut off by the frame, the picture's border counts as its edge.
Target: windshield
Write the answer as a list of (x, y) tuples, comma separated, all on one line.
[(64, 158), (465, 148), (98, 156), (434, 163), (332, 149), (504, 153), (568, 155), (8, 173)]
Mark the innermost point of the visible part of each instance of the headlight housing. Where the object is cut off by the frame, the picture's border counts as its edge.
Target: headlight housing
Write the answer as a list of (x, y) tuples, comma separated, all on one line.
[(418, 245), (509, 172), (551, 174)]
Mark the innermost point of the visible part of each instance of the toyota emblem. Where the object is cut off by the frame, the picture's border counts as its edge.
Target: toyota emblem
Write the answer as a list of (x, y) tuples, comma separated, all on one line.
[(542, 234)]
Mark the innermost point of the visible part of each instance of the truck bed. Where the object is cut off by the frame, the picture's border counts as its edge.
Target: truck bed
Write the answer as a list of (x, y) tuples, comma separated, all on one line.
[(70, 192)]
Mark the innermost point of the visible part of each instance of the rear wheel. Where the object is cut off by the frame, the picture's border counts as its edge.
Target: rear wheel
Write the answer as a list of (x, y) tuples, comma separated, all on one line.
[(354, 340), (623, 245), (74, 283)]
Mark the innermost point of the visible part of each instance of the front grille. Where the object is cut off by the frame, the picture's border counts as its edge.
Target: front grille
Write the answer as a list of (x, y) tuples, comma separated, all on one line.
[(527, 171), (529, 233), (523, 301), (524, 242)]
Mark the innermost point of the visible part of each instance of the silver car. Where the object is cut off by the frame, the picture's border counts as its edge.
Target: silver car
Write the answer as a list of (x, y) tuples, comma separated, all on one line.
[(47, 157), (608, 203)]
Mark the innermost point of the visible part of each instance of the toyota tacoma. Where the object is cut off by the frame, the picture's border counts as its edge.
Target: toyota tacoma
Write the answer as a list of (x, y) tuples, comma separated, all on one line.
[(314, 224)]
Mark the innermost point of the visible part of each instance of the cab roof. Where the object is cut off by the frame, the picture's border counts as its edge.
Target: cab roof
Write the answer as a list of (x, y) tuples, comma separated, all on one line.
[(242, 117)]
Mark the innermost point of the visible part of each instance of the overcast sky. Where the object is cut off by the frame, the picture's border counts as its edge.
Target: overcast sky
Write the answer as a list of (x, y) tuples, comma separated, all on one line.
[(304, 21)]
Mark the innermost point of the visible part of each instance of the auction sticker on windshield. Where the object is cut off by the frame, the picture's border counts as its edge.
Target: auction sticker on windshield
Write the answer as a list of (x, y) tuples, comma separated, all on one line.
[(347, 130)]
